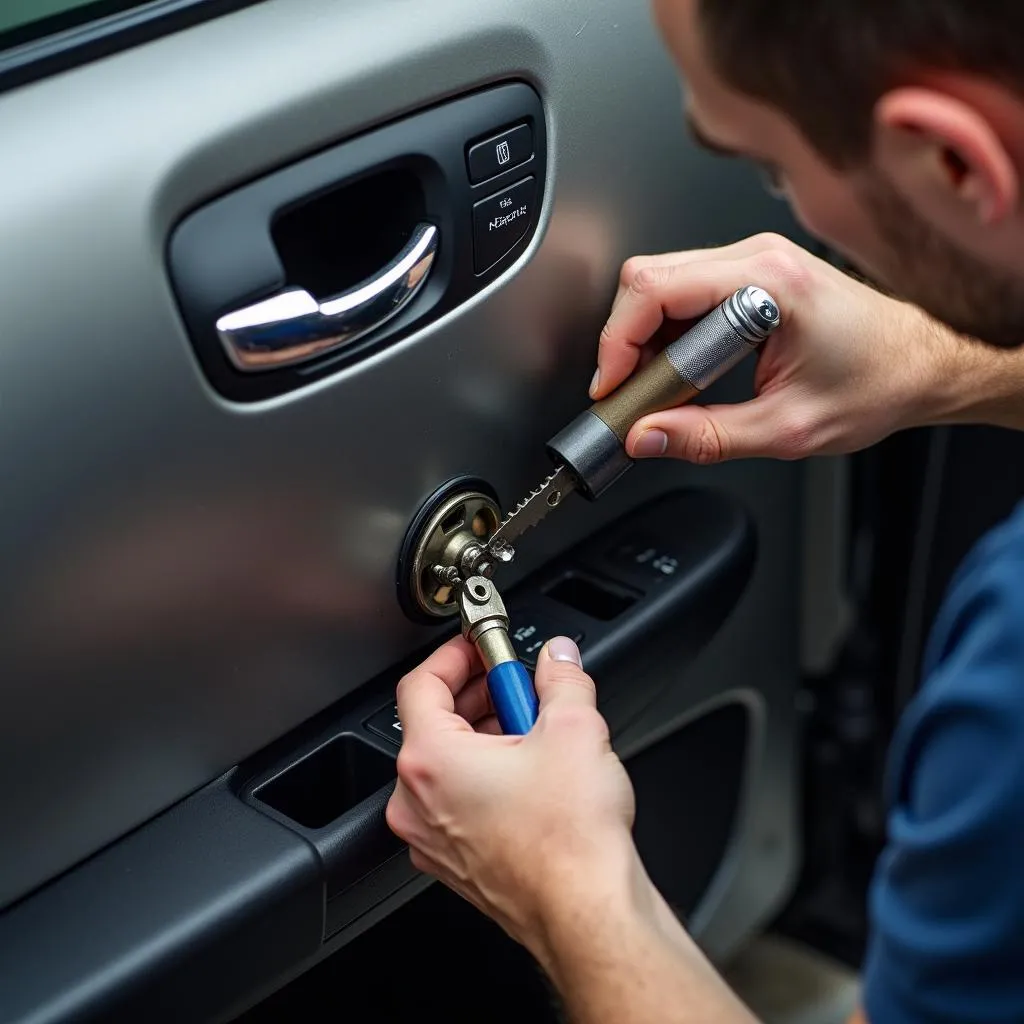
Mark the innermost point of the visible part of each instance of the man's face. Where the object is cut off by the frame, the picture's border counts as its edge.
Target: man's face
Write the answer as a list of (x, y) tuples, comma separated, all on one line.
[(857, 212)]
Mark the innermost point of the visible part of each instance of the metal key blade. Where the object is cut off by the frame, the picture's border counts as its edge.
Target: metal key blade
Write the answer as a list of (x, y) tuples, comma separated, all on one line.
[(529, 512)]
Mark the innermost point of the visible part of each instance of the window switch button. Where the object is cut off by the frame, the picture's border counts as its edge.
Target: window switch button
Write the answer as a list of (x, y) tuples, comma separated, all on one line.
[(529, 633), (385, 723), (644, 558)]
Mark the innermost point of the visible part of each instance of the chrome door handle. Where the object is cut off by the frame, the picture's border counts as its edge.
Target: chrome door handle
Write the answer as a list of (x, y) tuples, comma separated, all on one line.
[(292, 326)]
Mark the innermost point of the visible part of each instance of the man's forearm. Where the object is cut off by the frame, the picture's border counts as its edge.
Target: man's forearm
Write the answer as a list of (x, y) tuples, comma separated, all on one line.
[(973, 383), (619, 955)]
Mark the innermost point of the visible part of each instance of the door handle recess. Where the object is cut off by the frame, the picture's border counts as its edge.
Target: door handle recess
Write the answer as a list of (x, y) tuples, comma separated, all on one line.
[(293, 326)]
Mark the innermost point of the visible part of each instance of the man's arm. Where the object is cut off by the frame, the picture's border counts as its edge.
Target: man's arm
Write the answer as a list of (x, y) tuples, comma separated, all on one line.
[(849, 366), (974, 383), (623, 957), (535, 831)]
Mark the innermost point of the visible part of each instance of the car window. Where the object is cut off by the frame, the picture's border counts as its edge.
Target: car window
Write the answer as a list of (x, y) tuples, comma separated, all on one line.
[(41, 37), (24, 20)]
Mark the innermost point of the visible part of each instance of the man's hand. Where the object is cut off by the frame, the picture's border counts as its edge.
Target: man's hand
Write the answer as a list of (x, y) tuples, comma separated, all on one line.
[(535, 831), (848, 367), (515, 824)]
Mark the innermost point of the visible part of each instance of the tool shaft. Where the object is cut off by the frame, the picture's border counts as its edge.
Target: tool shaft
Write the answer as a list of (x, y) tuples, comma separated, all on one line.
[(494, 646), (593, 445), (656, 387)]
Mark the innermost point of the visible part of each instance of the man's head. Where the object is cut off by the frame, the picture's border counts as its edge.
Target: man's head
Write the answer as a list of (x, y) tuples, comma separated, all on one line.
[(894, 127)]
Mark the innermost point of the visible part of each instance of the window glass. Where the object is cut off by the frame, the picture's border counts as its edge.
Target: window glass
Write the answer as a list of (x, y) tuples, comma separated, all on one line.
[(24, 20)]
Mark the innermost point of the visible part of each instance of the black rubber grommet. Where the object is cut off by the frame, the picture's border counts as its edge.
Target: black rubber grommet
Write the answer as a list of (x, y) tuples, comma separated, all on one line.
[(407, 553)]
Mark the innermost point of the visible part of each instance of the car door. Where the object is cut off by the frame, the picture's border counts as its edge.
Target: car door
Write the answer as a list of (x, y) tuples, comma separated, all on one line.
[(201, 635)]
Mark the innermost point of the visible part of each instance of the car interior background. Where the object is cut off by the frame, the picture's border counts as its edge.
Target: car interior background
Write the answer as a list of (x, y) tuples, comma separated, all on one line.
[(203, 517)]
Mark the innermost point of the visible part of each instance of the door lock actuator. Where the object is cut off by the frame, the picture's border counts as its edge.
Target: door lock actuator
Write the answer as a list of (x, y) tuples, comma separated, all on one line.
[(459, 538)]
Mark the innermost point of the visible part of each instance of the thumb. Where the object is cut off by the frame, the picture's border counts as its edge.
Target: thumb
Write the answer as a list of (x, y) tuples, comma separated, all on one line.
[(715, 433), (560, 679)]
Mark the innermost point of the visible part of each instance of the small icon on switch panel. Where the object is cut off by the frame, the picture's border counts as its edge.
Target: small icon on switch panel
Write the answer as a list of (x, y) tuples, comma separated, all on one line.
[(385, 722), (504, 153), (535, 632), (646, 558)]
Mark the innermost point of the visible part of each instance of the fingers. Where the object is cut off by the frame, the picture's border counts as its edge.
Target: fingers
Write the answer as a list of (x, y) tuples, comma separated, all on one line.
[(421, 862), (473, 702), (560, 679), (488, 726), (765, 427), (399, 813), (736, 250), (676, 292), (685, 289), (426, 696)]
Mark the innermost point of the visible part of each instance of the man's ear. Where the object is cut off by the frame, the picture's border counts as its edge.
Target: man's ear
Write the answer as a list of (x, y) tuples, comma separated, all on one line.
[(945, 158)]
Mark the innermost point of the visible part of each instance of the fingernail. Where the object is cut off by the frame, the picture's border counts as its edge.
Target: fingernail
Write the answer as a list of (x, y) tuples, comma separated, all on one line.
[(561, 648), (595, 381), (650, 444)]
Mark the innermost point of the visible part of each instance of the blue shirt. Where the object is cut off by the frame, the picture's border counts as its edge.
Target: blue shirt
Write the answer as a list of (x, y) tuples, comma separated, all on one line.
[(947, 901)]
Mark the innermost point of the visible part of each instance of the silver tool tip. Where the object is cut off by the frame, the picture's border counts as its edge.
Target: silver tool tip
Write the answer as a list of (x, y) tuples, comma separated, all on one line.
[(762, 308)]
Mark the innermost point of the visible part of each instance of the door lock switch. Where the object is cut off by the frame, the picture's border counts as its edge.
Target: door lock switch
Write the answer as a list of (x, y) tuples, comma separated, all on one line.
[(500, 153)]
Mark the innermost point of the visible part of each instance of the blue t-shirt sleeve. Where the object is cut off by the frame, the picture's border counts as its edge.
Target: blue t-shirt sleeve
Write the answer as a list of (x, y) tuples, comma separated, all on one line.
[(947, 901)]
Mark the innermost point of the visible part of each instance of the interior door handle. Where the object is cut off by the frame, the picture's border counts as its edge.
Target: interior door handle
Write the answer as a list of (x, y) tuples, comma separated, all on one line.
[(293, 326)]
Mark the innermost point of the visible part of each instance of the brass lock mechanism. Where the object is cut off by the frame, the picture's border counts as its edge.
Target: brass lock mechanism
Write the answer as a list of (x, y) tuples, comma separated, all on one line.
[(444, 570), (451, 530)]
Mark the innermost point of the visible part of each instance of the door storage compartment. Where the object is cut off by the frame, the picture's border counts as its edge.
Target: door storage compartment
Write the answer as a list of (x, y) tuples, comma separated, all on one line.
[(332, 789), (328, 782), (694, 777)]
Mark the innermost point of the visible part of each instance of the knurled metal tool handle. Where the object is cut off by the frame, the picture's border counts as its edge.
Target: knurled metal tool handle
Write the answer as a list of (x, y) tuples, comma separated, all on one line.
[(593, 445)]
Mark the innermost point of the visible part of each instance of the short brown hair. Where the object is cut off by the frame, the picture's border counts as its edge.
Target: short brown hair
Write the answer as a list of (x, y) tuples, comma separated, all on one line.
[(826, 63)]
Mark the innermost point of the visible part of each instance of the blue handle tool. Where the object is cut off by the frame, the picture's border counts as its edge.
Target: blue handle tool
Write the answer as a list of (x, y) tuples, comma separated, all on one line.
[(485, 623), (513, 697)]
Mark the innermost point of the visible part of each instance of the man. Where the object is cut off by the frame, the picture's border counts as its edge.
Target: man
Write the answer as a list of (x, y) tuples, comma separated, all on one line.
[(896, 129)]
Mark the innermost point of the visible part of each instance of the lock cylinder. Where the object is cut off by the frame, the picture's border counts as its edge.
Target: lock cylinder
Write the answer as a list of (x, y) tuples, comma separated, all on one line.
[(450, 530)]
